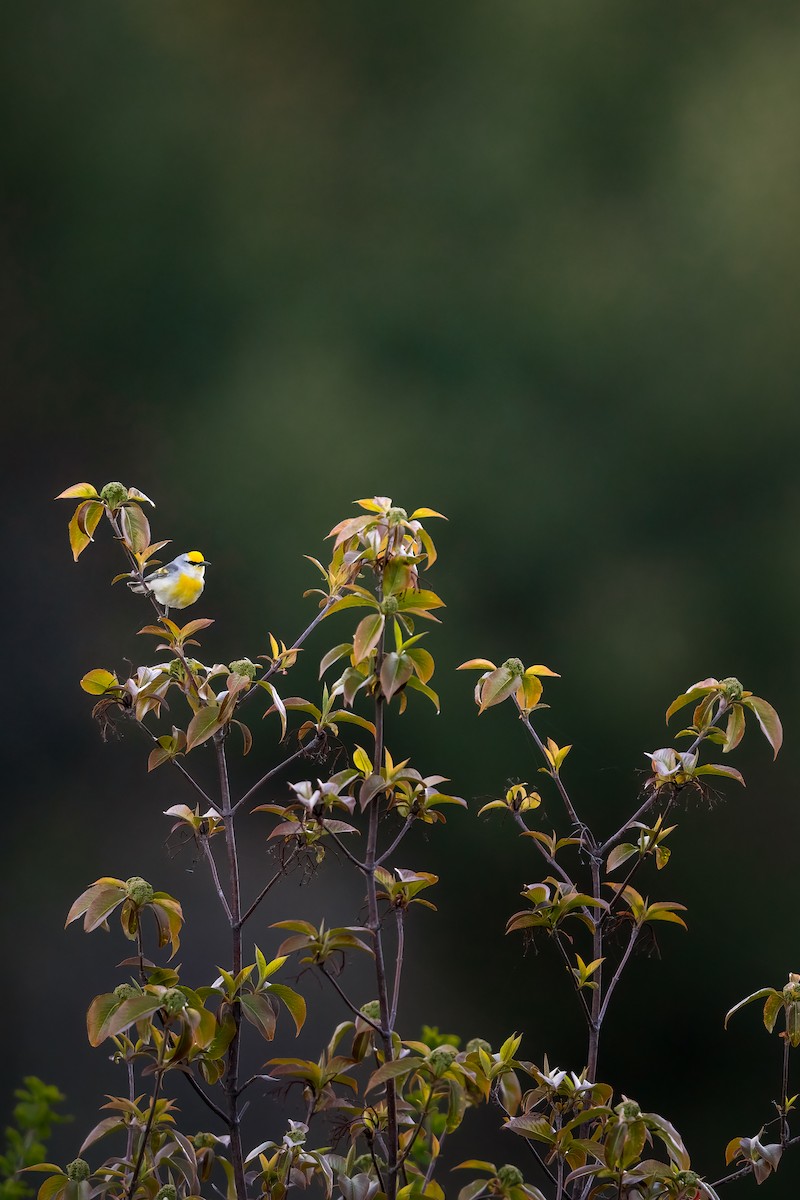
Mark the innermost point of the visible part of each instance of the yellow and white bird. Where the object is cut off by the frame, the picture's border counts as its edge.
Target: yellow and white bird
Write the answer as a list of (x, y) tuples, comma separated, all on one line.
[(177, 584)]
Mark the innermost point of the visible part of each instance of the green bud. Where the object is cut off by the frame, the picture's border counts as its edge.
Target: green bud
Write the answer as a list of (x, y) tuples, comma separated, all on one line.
[(114, 494), (791, 993), (174, 1001), (167, 1192), (389, 606), (475, 1044), (372, 1009), (732, 688), (204, 1141), (628, 1110), (78, 1170), (175, 669), (441, 1058), (515, 666), (510, 1176), (396, 515), (362, 1165), (125, 991), (138, 890), (687, 1180), (243, 666)]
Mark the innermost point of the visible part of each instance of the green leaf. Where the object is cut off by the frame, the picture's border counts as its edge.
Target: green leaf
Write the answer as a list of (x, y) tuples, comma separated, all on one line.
[(734, 730), (203, 725), (135, 527), (397, 1069), (621, 854), (719, 769), (79, 491), (497, 687), (259, 1012), (761, 994), (293, 1001), (396, 670), (97, 682)]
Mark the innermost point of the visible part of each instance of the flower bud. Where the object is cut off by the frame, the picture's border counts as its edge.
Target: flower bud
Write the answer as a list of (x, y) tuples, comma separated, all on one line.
[(389, 606), (515, 666), (174, 1001), (628, 1110), (441, 1058), (167, 1192), (138, 890), (125, 991), (687, 1180), (395, 516), (204, 1141), (175, 669), (732, 688), (510, 1176), (243, 666), (114, 494), (475, 1044), (78, 1170), (372, 1009)]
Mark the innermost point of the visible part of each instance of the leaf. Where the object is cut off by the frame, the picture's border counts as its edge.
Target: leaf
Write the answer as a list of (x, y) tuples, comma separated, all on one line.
[(497, 687), (82, 526), (396, 670), (419, 686), (334, 655), (135, 528), (105, 1019), (396, 1069), (769, 721), (203, 725), (482, 664), (293, 1001), (97, 682), (367, 635), (79, 491), (260, 1013), (621, 854), (761, 994), (719, 769), (734, 731)]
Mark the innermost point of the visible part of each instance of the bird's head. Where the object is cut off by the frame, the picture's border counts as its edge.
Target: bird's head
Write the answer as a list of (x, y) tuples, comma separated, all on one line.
[(194, 558)]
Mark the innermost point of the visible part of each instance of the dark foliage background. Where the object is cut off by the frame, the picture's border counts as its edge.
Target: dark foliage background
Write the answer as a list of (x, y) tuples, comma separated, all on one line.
[(534, 265)]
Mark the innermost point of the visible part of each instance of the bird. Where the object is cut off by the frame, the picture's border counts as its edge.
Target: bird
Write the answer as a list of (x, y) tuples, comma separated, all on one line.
[(178, 583)]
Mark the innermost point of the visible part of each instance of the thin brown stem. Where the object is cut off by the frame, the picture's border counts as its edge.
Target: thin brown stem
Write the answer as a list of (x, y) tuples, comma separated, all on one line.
[(409, 821), (150, 1117), (209, 854), (578, 990), (401, 1158), (353, 1007), (179, 765), (299, 753), (347, 853), (231, 1083), (296, 644), (623, 962), (398, 966), (597, 994), (554, 775), (268, 888), (545, 853), (785, 1091)]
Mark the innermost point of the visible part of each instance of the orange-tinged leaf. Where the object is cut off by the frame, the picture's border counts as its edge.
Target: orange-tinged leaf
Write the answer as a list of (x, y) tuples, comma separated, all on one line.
[(82, 526), (79, 491), (135, 528), (418, 513), (497, 687), (367, 636), (769, 721), (481, 664)]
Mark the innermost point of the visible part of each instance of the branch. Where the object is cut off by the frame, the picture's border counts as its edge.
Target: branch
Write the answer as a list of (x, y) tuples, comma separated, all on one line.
[(540, 1160), (348, 1001), (181, 768), (323, 612), (278, 875), (551, 862), (398, 967), (299, 753), (575, 984), (618, 973), (190, 1079), (207, 851), (554, 775), (388, 853), (355, 861)]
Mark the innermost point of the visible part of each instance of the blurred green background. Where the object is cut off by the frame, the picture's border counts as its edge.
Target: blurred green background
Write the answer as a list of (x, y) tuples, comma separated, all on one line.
[(535, 265)]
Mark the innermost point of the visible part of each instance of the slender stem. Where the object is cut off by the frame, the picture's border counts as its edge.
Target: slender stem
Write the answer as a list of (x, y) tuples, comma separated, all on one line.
[(131, 1097), (623, 962), (296, 644), (150, 1117), (416, 1131), (545, 853), (597, 994), (374, 924), (353, 1008), (554, 775), (175, 762), (347, 853), (433, 1162), (578, 990), (209, 1103), (209, 854), (398, 966), (267, 888), (409, 821), (743, 1172), (375, 1165), (539, 1158), (231, 1083), (299, 753), (785, 1091)]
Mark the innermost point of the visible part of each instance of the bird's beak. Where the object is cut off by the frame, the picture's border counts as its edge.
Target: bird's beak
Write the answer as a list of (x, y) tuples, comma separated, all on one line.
[(204, 563)]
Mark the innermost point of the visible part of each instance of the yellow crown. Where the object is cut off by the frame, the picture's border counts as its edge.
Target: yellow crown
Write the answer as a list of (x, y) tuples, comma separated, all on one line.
[(195, 556)]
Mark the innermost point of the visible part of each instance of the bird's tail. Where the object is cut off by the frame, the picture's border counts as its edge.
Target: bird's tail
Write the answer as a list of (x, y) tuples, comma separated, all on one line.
[(140, 588)]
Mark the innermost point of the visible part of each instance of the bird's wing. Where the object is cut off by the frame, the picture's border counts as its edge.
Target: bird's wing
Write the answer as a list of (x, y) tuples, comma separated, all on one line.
[(159, 574)]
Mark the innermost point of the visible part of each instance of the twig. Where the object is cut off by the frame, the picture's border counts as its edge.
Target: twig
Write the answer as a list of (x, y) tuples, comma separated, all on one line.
[(209, 854), (398, 967), (597, 953), (353, 1008), (618, 973), (548, 857), (190, 1079), (180, 767), (149, 1125), (299, 753), (785, 1091), (323, 612), (388, 853), (267, 887), (554, 775), (575, 984), (347, 853)]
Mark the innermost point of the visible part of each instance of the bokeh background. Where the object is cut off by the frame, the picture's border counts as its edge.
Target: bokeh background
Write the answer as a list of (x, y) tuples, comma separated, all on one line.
[(535, 265)]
